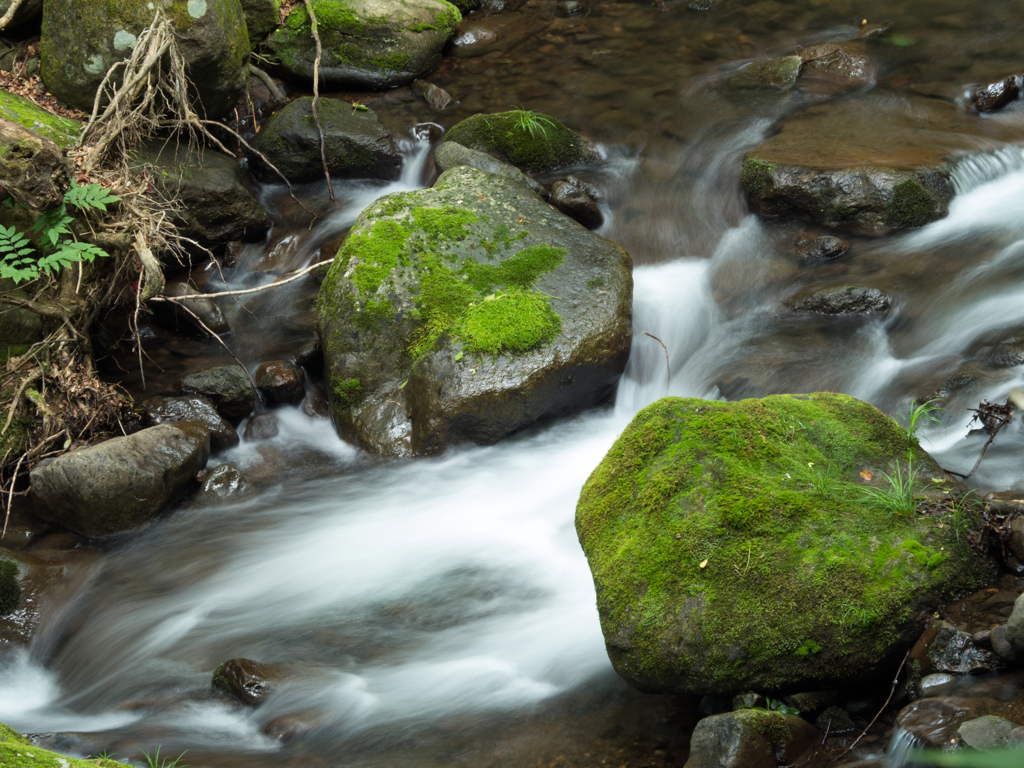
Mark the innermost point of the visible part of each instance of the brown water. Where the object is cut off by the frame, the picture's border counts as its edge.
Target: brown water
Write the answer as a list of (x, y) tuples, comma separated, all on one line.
[(439, 612)]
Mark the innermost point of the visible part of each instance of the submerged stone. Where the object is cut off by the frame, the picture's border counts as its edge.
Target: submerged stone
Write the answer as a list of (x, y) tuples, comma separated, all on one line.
[(996, 95), (733, 548), (467, 311), (779, 74), (849, 300)]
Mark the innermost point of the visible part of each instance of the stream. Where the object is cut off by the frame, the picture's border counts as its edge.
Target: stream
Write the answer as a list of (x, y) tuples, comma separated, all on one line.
[(439, 611)]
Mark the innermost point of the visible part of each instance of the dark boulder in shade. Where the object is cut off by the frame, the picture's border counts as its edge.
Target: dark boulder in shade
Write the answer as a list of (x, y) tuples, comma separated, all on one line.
[(227, 386)]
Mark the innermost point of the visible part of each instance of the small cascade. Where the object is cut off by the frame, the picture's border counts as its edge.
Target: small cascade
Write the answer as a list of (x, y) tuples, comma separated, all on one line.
[(900, 749)]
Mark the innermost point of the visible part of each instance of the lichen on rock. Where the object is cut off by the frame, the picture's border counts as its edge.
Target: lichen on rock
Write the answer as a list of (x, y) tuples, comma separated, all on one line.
[(732, 550)]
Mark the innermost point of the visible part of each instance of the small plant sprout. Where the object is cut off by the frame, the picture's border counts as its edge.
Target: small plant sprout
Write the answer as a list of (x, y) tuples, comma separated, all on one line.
[(917, 417), (961, 514), (532, 122), (898, 498), (155, 761), (823, 482)]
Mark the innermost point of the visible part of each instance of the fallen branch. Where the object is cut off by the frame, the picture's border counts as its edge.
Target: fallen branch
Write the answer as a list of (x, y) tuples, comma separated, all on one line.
[(4, 21), (268, 81), (316, 95), (994, 418), (895, 682), (668, 367), (206, 328), (301, 273)]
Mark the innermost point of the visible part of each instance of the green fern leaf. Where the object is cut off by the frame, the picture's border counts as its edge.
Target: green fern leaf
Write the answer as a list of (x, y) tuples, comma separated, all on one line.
[(90, 197)]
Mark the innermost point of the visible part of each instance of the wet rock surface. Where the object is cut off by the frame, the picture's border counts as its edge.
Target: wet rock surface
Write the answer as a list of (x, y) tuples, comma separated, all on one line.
[(730, 740), (29, 581), (864, 169), (984, 733), (171, 410), (836, 67), (572, 198), (477, 376), (355, 142), (122, 483), (227, 387), (246, 680), (438, 98), (224, 482), (280, 381), (778, 74), (216, 205), (848, 300), (262, 426), (450, 154), (823, 248), (996, 95)]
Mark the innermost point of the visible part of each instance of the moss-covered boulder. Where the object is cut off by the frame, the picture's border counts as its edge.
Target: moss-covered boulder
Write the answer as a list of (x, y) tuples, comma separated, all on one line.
[(528, 140), (467, 311), (366, 43), (356, 145), (82, 39), (18, 752), (60, 130), (732, 548), (216, 207), (261, 16), (872, 166)]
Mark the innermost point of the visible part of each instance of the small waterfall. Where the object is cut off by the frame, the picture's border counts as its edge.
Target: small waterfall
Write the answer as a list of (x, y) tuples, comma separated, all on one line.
[(900, 748)]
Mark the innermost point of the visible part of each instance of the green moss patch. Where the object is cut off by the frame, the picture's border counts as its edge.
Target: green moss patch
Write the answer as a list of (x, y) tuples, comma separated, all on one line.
[(489, 308), (911, 206), (528, 140), (17, 752), (722, 563), (756, 175), (60, 130)]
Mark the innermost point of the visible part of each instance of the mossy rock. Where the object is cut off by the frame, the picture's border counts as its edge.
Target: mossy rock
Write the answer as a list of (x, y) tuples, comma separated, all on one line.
[(775, 74), (82, 39), (366, 43), (723, 564), (530, 141), (261, 16), (356, 145), (871, 166), (60, 130), (466, 312), (18, 752)]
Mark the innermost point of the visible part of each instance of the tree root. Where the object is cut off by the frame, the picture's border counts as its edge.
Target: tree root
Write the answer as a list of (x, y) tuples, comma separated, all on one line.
[(316, 95)]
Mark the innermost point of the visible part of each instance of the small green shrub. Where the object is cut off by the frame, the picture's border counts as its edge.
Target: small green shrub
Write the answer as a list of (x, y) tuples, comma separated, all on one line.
[(19, 260)]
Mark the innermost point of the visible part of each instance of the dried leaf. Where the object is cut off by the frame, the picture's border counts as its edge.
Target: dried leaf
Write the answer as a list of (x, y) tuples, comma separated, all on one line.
[(704, 564)]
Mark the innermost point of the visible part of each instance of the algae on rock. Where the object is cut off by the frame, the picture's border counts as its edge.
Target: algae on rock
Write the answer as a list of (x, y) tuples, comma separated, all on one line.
[(721, 567), (463, 312), (532, 142)]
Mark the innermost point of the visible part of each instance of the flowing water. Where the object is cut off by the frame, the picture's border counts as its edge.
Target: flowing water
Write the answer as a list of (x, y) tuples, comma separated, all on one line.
[(440, 611)]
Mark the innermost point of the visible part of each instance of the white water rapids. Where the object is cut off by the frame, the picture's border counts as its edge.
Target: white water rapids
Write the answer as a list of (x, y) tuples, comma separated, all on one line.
[(405, 595)]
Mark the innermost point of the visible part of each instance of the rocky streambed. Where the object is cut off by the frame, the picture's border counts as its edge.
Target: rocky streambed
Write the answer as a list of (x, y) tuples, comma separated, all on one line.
[(350, 541)]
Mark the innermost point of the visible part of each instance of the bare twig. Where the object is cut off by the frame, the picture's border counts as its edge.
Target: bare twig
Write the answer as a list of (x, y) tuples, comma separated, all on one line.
[(10, 495), (4, 21), (895, 682), (316, 95), (668, 367), (301, 273), (987, 415), (218, 338)]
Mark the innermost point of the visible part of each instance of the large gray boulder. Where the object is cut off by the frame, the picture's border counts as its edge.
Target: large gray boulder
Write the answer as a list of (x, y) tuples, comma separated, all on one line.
[(122, 483), (733, 547), (82, 39), (871, 166), (216, 206), (467, 311), (356, 144), (366, 43)]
